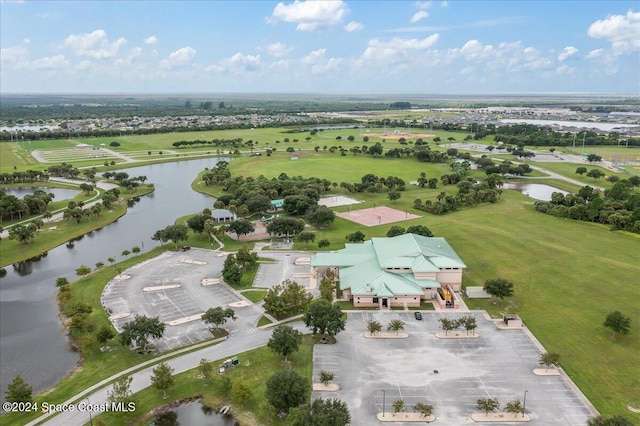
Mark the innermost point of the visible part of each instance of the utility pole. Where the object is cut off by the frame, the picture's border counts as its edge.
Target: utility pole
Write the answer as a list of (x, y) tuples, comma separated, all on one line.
[(524, 402)]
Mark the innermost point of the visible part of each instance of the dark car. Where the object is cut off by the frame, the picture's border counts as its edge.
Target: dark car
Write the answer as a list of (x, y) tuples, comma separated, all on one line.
[(418, 315), (185, 248)]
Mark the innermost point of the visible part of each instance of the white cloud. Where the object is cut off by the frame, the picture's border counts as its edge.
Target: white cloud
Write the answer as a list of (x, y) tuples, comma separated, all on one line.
[(49, 63), (420, 15), (151, 40), (444, 4), (310, 15), (564, 69), (14, 54), (95, 44), (380, 49), (353, 26), (596, 53), (237, 63), (567, 52), (318, 63), (278, 49), (180, 57), (424, 4), (622, 31), (129, 59)]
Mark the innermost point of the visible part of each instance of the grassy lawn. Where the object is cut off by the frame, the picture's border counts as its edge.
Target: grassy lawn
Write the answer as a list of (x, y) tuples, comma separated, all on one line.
[(569, 170), (54, 234), (254, 295), (255, 368)]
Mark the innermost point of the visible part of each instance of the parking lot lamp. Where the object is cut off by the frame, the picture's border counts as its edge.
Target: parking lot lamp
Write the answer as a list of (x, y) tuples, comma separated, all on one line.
[(524, 402)]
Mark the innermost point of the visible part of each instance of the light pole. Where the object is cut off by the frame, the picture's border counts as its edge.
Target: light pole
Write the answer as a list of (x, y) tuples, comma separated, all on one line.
[(89, 409), (383, 401), (524, 402)]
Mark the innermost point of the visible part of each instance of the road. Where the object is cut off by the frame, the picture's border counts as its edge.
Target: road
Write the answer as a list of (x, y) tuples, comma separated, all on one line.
[(240, 342)]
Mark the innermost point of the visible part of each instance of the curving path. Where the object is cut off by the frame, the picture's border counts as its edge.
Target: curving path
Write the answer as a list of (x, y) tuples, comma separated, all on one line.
[(97, 394)]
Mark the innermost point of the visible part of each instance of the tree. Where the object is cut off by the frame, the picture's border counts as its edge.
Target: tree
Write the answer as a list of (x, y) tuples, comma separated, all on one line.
[(425, 410), (205, 368), (595, 173), (288, 226), (324, 243), (355, 237), (231, 271), (618, 323), (581, 170), (218, 316), (324, 317), (19, 391), (488, 405), (374, 327), (114, 144), (135, 249), (469, 323), (326, 377), (420, 230), (162, 378), (396, 326), (120, 393), (104, 333), (321, 412), (62, 281), (396, 230), (22, 233), (327, 287), (196, 222), (549, 359), (173, 233), (241, 227), (593, 158), (83, 270), (286, 299), (320, 216), (246, 258), (448, 325), (125, 253), (514, 407), (393, 196), (285, 340), (140, 329), (609, 421), (398, 406), (498, 287), (240, 391), (286, 388), (306, 236)]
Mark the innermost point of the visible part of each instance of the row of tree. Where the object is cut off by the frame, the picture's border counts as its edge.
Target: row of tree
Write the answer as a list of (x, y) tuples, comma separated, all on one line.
[(618, 206)]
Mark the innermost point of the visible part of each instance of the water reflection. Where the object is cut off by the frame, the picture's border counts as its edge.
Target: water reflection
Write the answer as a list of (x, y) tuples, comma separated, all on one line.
[(193, 413), (537, 191)]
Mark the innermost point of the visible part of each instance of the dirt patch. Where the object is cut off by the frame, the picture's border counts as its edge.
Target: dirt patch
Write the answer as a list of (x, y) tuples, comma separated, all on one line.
[(377, 216), (396, 136)]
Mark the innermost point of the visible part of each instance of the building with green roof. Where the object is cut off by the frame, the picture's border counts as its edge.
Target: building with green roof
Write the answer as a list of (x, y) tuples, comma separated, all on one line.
[(398, 271)]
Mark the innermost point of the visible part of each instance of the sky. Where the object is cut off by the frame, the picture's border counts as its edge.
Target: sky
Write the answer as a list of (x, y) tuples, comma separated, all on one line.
[(365, 47)]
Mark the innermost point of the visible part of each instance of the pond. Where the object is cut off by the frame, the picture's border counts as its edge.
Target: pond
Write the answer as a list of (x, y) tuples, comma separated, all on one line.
[(33, 342), (538, 191), (193, 413), (58, 193)]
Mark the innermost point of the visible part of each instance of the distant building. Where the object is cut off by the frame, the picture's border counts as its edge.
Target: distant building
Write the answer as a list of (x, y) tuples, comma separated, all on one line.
[(277, 204), (399, 271)]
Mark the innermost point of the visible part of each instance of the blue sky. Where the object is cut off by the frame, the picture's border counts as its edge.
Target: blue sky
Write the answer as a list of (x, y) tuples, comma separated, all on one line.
[(320, 46)]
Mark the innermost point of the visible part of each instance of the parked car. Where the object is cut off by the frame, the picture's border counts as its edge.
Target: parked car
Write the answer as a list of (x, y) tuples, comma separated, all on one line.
[(418, 315), (185, 248)]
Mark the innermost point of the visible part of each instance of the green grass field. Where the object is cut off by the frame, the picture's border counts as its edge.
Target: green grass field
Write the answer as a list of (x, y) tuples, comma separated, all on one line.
[(568, 275)]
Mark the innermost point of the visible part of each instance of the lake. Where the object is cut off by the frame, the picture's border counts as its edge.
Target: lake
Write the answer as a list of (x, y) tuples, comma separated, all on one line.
[(538, 191), (33, 342)]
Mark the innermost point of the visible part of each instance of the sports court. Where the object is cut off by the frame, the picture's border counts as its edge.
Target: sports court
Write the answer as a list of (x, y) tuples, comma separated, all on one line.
[(377, 216)]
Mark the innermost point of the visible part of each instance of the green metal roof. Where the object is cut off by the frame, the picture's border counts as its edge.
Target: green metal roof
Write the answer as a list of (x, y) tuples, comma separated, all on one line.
[(277, 203), (364, 267)]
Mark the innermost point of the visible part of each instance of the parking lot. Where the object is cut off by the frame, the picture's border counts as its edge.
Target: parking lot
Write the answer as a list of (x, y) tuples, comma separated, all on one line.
[(170, 286), (450, 374)]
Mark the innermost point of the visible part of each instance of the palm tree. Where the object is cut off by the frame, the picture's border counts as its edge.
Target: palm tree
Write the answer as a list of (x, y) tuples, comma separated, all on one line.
[(398, 406), (425, 410), (374, 327), (395, 325), (549, 359)]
